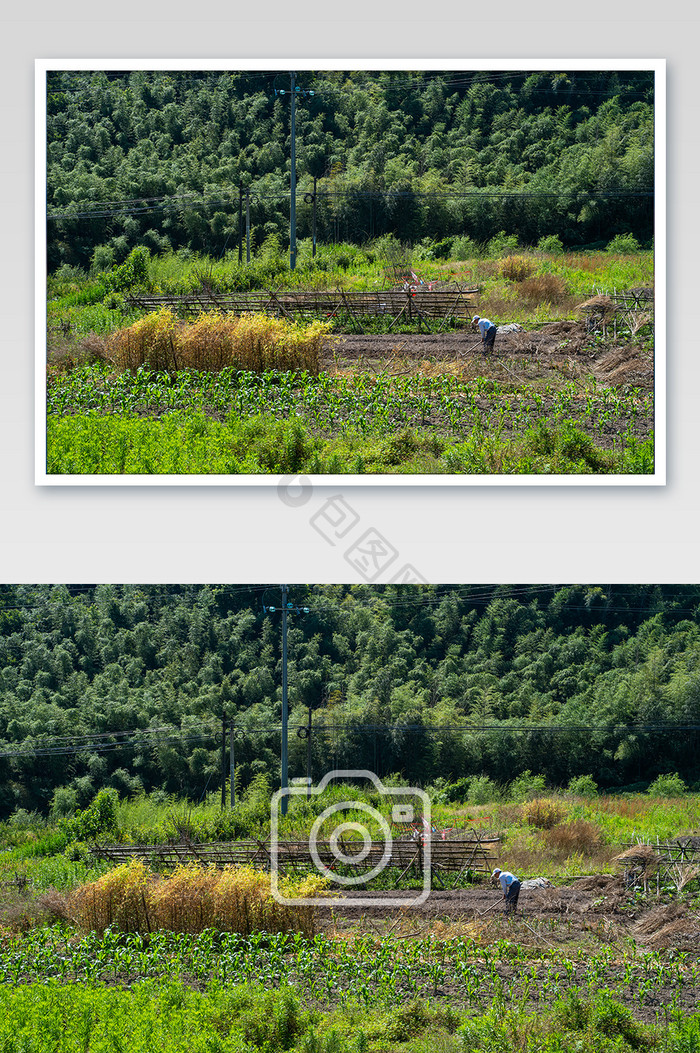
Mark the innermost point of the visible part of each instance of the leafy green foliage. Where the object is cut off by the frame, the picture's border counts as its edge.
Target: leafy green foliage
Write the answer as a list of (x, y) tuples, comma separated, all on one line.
[(670, 785), (420, 155), (527, 787), (623, 243), (551, 244), (98, 820), (583, 786), (280, 991), (131, 274), (579, 665)]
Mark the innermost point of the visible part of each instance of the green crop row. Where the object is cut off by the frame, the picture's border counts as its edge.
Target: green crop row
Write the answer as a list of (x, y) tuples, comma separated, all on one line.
[(333, 970), (364, 400)]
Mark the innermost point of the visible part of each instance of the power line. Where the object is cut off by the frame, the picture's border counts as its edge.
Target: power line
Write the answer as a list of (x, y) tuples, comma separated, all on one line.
[(132, 207), (322, 727), (408, 81), (142, 739)]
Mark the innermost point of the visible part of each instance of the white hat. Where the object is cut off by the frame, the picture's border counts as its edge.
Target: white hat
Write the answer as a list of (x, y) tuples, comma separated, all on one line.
[(496, 871), (476, 319)]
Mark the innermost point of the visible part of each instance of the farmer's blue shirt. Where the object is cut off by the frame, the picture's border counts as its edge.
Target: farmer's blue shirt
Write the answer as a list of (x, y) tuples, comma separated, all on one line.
[(506, 880)]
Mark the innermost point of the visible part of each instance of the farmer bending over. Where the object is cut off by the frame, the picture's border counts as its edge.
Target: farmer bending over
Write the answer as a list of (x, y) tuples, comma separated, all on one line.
[(487, 330), (511, 889)]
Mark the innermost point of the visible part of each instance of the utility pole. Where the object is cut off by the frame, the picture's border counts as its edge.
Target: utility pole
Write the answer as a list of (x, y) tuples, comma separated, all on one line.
[(284, 773), (232, 766), (308, 757), (223, 761), (285, 701), (293, 180), (240, 222), (293, 203), (247, 226)]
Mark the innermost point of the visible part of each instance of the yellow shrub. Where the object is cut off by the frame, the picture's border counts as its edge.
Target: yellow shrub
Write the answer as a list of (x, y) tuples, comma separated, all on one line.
[(579, 836), (184, 901), (150, 342), (208, 343), (193, 898), (544, 288), (515, 268), (117, 900), (216, 341), (543, 813)]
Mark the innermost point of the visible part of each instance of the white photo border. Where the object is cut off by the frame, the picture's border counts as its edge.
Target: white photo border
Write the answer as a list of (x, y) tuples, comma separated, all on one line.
[(657, 66)]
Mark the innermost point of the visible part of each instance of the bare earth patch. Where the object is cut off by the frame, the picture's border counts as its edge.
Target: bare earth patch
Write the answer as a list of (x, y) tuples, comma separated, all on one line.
[(560, 350), (599, 904)]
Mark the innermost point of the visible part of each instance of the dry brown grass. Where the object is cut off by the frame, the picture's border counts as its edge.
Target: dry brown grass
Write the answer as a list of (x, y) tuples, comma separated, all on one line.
[(543, 812), (215, 341), (668, 926), (630, 808), (516, 268), (578, 836), (544, 288), (64, 354), (131, 898)]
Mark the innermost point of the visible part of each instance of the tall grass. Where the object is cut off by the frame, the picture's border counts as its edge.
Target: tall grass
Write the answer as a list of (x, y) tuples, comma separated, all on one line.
[(509, 288), (253, 342), (131, 898)]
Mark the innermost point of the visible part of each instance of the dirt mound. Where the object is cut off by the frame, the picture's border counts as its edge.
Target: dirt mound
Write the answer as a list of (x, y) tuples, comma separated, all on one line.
[(561, 900), (597, 883), (640, 856), (601, 305), (625, 367), (606, 892), (562, 329), (668, 926), (555, 338)]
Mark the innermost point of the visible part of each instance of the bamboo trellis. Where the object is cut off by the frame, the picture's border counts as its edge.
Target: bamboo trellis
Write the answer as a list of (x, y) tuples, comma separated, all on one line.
[(427, 308), (460, 855)]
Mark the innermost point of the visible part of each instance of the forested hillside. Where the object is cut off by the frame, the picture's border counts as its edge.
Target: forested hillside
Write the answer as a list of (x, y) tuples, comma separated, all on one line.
[(159, 158), (126, 685)]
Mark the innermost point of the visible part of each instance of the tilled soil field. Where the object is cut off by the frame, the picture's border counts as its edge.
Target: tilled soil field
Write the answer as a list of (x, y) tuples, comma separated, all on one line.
[(559, 347), (601, 904)]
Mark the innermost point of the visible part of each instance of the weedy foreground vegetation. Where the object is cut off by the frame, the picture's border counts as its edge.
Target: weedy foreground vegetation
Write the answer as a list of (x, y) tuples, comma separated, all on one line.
[(96, 957), (129, 393)]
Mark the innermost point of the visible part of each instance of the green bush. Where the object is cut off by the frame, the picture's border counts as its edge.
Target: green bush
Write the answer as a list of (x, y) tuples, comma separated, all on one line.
[(99, 819), (551, 244), (583, 786), (482, 790), (102, 259), (64, 802), (133, 272), (527, 786), (502, 245), (670, 785), (622, 244), (464, 249), (450, 792)]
